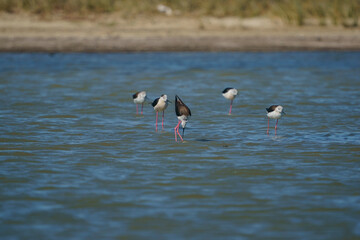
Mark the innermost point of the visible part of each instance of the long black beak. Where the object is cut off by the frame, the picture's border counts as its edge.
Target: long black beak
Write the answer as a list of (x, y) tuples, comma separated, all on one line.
[(284, 112), (169, 101), (183, 133)]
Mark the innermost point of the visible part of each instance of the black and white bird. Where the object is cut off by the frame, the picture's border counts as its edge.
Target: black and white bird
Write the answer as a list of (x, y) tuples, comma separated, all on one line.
[(139, 98), (274, 112), (160, 104), (230, 93), (183, 113)]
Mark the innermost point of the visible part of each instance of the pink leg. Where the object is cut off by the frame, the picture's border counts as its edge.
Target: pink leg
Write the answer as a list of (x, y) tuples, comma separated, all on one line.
[(137, 109), (268, 126), (156, 121), (276, 126), (179, 133), (162, 124), (230, 107), (142, 106), (175, 133), (175, 129)]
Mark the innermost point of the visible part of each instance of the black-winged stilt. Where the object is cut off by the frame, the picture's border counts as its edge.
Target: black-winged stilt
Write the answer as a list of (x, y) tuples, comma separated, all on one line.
[(230, 93), (183, 113), (274, 112), (139, 97), (160, 104)]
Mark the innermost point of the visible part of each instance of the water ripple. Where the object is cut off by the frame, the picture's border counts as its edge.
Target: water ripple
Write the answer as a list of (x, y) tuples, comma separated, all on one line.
[(74, 155)]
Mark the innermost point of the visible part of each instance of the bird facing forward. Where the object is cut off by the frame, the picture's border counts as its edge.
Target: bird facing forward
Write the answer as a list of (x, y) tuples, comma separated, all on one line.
[(274, 112), (160, 104)]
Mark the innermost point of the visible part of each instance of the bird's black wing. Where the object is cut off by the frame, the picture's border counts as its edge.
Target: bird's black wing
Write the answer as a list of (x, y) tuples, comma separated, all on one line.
[(226, 90), (271, 108), (135, 95), (154, 103), (181, 108), (177, 105)]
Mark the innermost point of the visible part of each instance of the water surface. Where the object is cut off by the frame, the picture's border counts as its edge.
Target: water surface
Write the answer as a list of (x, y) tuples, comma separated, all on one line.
[(76, 162)]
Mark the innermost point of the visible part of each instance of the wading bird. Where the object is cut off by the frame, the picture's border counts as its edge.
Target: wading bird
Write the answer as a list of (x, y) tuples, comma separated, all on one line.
[(230, 93), (274, 112), (160, 104), (139, 97), (183, 113)]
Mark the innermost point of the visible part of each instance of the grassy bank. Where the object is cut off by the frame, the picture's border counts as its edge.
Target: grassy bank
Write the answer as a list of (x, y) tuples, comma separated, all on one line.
[(337, 12)]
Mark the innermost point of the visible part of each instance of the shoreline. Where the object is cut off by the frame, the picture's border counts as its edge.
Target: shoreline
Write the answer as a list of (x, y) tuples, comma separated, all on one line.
[(161, 34), (167, 44)]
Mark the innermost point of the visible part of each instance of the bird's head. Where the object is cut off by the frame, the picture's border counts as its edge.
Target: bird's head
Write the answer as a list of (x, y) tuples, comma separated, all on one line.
[(279, 109), (183, 124), (164, 98), (234, 91), (142, 94)]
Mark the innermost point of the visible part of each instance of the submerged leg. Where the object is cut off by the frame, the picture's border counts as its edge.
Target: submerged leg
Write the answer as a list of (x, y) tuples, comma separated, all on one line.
[(156, 121), (179, 134), (268, 126), (230, 107), (142, 106), (162, 124), (137, 109), (175, 129), (276, 126), (175, 133)]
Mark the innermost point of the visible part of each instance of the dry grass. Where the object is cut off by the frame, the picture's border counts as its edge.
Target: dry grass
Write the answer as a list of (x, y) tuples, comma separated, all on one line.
[(340, 12)]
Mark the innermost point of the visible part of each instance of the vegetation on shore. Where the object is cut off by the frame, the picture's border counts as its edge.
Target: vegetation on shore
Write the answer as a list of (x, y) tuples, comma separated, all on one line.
[(339, 12)]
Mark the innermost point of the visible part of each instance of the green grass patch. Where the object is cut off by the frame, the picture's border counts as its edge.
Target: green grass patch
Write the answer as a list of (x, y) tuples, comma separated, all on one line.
[(339, 12)]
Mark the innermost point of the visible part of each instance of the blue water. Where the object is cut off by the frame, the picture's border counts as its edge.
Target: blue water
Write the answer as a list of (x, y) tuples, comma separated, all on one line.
[(76, 162)]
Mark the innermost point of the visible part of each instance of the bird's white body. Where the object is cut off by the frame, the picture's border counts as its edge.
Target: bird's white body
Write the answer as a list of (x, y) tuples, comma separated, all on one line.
[(140, 98), (276, 114), (161, 104), (230, 94), (183, 119)]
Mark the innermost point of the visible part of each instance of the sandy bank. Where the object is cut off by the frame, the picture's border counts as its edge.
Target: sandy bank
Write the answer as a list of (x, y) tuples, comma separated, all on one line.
[(112, 34)]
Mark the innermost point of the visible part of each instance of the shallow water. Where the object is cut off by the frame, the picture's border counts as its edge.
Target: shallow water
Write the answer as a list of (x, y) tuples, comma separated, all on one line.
[(76, 162)]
